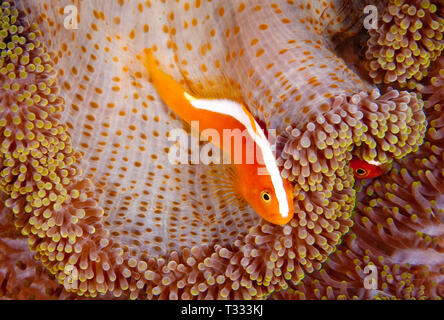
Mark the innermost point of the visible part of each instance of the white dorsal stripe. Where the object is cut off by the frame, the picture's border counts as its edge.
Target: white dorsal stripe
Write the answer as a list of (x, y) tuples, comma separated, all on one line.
[(374, 162), (235, 110)]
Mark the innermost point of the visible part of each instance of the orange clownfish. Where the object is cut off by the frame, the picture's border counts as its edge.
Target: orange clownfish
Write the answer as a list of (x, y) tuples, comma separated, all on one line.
[(258, 182), (366, 169)]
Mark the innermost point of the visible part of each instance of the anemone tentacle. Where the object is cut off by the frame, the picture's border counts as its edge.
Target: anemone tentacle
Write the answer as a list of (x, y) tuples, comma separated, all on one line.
[(408, 41)]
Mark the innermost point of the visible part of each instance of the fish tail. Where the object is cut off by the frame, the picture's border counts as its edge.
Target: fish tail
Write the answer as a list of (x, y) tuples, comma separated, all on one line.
[(169, 90), (161, 80)]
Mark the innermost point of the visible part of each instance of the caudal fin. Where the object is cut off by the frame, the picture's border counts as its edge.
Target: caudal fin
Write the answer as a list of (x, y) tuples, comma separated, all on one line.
[(149, 62)]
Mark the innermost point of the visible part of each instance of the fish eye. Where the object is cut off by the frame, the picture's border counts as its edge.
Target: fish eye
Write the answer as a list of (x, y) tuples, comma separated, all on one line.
[(361, 171), (265, 196)]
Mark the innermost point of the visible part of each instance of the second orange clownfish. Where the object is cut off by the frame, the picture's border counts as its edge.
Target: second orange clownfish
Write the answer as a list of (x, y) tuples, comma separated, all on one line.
[(268, 194), (366, 170)]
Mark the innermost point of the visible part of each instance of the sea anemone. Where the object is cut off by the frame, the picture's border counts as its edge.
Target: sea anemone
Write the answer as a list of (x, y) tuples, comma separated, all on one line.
[(22, 276), (398, 226), (84, 143), (408, 41)]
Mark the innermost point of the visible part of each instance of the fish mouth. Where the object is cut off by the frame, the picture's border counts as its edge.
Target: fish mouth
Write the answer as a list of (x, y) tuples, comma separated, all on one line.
[(278, 219)]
